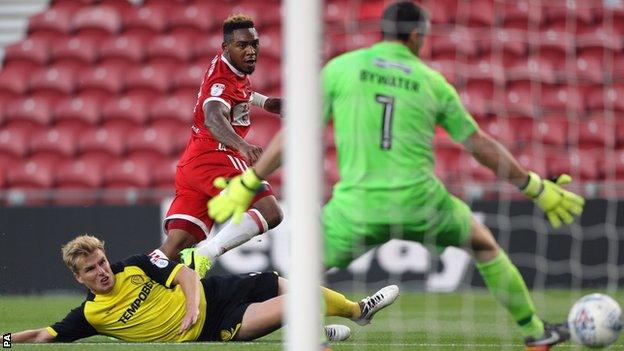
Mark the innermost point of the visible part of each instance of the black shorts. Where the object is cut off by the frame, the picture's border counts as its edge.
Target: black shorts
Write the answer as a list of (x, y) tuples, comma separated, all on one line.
[(227, 298)]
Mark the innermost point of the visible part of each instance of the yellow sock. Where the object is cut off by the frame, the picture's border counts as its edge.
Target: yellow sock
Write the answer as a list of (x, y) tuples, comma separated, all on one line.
[(337, 304)]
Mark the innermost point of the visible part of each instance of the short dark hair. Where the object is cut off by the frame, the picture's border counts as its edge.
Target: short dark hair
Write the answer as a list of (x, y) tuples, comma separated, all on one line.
[(234, 22), (401, 18)]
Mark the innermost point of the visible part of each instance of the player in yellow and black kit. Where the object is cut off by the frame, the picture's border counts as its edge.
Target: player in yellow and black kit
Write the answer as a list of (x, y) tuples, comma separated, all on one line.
[(148, 298)]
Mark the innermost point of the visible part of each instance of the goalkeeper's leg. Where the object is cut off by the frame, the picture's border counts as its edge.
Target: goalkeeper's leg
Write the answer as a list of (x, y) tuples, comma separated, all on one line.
[(504, 280)]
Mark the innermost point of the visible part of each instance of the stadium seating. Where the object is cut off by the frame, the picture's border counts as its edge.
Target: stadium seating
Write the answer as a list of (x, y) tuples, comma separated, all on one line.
[(104, 82)]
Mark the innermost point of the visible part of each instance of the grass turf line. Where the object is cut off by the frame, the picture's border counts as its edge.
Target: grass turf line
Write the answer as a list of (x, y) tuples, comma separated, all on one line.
[(471, 320)]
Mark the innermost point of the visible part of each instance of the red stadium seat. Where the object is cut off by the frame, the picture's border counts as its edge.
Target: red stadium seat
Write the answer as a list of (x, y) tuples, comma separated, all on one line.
[(521, 14), (600, 38), (441, 11), (619, 133), (51, 23), (102, 80), (120, 6), (518, 99), (14, 143), (151, 143), (513, 43), (271, 44), (169, 49), (31, 174), (263, 128), (77, 113), (476, 13), (149, 80), (189, 77), (564, 10), (485, 76), (128, 173), (53, 144), (99, 21), (194, 18), (580, 164), (163, 175), (561, 99), (14, 82), (79, 174), (53, 82), (615, 162), (337, 13), (127, 112), (74, 52), (144, 20), (501, 129), (30, 53), (448, 68), (530, 69), (29, 112), (596, 132), (589, 68), (173, 111), (550, 131), (123, 50), (102, 143), (267, 75), (207, 47), (611, 97), (533, 158), (555, 41), (369, 13), (449, 43), (475, 103)]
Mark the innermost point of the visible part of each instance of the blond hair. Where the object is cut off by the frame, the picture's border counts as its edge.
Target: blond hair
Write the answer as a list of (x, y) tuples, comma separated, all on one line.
[(81, 246)]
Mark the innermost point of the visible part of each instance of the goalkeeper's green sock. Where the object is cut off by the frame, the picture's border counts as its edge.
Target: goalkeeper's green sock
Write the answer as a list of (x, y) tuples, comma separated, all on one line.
[(336, 304), (506, 284)]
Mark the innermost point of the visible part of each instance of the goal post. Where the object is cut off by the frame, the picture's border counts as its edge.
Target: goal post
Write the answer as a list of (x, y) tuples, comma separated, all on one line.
[(302, 38)]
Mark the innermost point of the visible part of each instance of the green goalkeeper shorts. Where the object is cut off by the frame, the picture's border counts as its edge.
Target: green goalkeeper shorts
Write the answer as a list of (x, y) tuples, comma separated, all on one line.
[(448, 224)]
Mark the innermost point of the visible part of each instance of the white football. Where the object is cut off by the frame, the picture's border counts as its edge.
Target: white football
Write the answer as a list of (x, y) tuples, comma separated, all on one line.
[(595, 321)]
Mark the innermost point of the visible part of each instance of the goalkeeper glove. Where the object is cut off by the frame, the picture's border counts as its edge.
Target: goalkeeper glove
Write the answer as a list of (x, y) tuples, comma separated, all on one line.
[(558, 203), (235, 198)]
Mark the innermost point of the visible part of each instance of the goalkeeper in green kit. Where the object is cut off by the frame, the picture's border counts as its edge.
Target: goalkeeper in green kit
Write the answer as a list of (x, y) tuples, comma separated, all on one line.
[(385, 103)]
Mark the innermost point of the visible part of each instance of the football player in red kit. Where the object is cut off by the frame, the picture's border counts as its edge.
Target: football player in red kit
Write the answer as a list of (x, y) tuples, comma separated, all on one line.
[(217, 148)]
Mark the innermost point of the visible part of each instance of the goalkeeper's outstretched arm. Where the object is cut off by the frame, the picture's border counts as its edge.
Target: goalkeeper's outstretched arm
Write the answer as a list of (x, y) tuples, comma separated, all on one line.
[(558, 203), (496, 157)]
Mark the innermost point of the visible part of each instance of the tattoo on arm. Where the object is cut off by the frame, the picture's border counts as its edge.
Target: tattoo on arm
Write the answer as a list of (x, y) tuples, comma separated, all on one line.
[(217, 121)]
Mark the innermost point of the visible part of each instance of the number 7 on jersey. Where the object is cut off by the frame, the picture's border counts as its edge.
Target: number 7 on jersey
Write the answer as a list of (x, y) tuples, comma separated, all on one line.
[(386, 124)]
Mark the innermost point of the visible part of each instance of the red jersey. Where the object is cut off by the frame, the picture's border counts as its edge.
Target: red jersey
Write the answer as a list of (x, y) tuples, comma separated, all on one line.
[(229, 86)]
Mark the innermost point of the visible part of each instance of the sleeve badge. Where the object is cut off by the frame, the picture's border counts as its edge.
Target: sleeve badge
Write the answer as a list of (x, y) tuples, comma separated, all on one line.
[(217, 89)]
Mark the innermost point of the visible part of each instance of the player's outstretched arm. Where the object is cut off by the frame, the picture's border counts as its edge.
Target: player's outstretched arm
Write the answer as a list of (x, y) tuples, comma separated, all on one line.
[(36, 335), (558, 203), (239, 192), (270, 104), (189, 282)]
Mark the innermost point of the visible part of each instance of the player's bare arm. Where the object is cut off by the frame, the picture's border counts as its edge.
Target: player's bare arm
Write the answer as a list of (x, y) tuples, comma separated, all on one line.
[(189, 282), (35, 335), (271, 158), (217, 121), (273, 105), (496, 157)]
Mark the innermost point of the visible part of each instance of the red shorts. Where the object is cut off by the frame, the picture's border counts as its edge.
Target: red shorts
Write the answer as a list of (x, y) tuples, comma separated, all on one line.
[(193, 184)]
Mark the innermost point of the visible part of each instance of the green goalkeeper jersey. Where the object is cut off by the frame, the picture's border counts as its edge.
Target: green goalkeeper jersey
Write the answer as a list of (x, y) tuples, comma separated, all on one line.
[(386, 103)]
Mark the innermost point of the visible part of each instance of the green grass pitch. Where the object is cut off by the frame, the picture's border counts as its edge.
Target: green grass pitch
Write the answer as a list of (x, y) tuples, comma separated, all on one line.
[(470, 320)]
